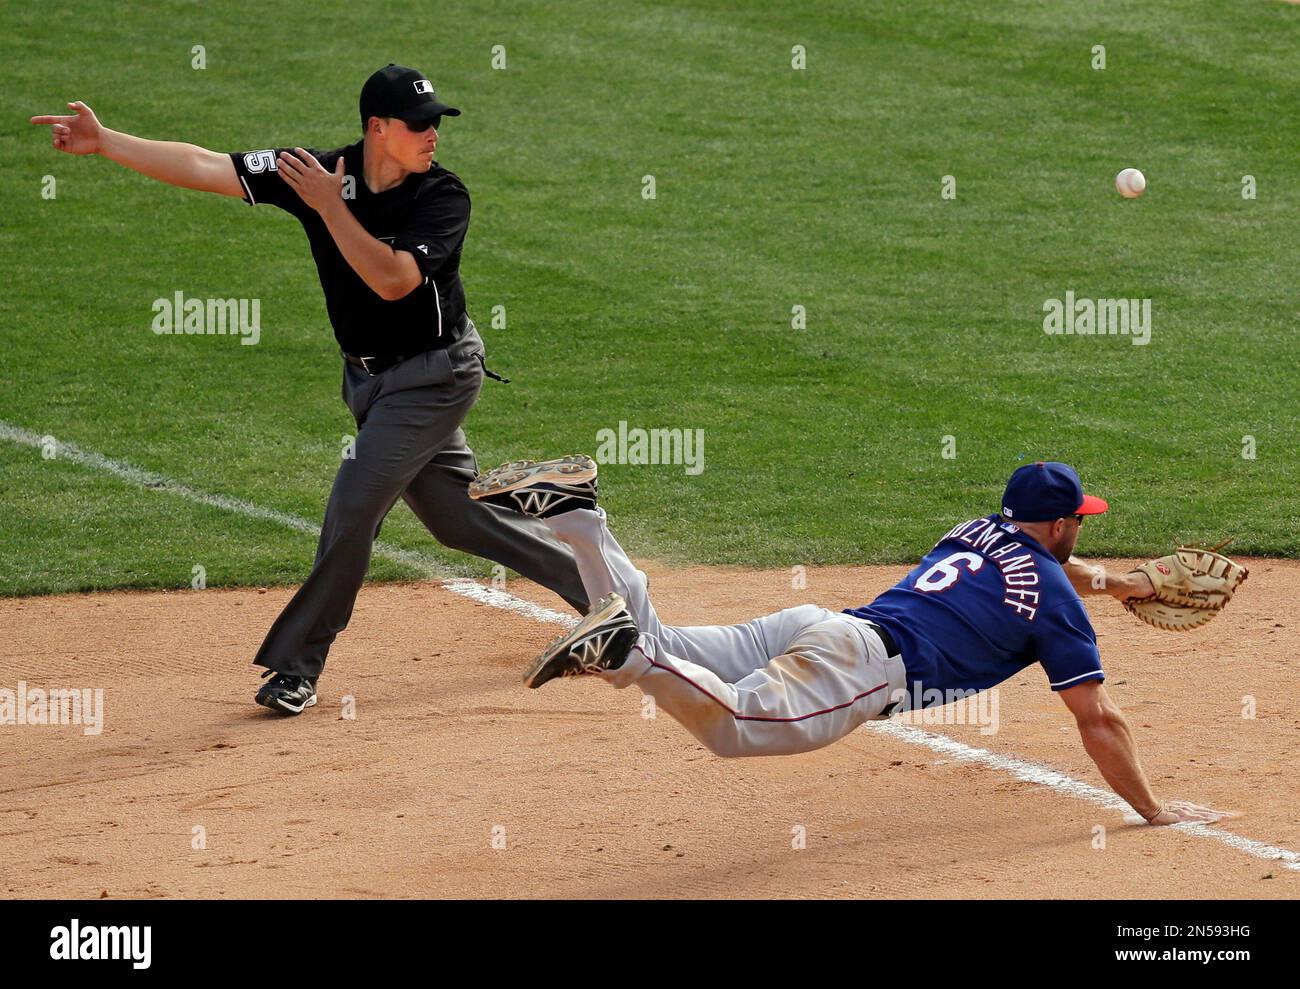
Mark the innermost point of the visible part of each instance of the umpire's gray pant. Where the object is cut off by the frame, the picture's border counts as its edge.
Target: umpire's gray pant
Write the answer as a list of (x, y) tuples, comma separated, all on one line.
[(410, 445)]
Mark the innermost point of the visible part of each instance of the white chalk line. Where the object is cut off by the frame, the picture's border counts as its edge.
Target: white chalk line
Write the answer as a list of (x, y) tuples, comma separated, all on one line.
[(424, 565), (432, 568), (1031, 772)]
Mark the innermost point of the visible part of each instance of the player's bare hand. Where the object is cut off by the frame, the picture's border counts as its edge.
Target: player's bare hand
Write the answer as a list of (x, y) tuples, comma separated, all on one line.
[(1181, 811), (78, 134), (319, 189)]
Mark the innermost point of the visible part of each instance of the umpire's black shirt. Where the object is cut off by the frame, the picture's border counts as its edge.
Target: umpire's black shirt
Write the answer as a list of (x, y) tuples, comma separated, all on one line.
[(426, 215)]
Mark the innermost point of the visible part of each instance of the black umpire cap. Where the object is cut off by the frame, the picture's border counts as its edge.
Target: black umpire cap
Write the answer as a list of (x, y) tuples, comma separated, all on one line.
[(396, 91)]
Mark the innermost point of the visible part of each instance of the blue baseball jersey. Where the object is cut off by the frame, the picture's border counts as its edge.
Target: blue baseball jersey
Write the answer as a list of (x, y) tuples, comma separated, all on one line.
[(986, 602)]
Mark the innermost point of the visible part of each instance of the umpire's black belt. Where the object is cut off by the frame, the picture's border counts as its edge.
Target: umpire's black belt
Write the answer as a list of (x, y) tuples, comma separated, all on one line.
[(378, 365)]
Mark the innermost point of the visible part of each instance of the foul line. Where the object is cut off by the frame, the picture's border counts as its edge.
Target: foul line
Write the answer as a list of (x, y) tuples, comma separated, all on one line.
[(1031, 772), (432, 568), (426, 566)]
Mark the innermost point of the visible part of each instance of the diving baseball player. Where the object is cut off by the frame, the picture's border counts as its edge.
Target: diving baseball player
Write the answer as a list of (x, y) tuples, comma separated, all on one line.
[(386, 224), (994, 595)]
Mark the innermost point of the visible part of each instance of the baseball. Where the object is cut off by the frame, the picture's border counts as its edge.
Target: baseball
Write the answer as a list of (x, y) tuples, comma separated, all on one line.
[(1130, 183)]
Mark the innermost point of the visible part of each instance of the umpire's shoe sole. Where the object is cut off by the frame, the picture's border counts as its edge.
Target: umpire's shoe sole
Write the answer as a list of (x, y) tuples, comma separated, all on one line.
[(540, 488), (601, 641), (287, 693)]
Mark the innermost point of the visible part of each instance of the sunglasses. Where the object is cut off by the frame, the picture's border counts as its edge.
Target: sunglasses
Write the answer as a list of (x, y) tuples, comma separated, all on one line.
[(1077, 518), (420, 126)]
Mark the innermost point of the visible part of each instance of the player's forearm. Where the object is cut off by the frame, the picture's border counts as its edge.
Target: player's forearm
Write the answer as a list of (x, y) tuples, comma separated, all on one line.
[(185, 165), (390, 274), (1109, 743), (1092, 578)]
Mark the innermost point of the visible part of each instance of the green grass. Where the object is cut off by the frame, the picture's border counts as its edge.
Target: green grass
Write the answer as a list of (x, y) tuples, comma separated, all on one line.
[(776, 188)]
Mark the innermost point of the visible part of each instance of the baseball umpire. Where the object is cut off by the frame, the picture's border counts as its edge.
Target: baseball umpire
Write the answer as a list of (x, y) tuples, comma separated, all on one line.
[(386, 224)]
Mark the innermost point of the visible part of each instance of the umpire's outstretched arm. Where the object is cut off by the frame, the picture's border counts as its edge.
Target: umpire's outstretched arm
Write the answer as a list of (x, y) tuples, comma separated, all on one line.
[(390, 274), (184, 165)]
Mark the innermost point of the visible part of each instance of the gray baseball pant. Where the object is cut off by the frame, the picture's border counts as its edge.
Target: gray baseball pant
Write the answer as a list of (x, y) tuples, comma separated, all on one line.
[(409, 445), (791, 681)]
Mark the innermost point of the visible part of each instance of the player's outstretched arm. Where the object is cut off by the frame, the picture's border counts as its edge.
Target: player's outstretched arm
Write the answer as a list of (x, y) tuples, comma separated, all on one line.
[(1108, 740), (185, 165), (1091, 578)]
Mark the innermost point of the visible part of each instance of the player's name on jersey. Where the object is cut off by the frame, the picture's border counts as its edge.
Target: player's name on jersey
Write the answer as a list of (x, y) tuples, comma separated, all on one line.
[(1016, 564), (201, 317)]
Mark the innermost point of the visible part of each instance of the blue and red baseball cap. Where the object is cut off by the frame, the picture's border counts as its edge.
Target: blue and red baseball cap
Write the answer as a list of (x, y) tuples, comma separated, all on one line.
[(1045, 491)]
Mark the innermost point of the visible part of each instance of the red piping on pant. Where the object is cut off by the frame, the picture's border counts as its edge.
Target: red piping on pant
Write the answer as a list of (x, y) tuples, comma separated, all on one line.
[(753, 717)]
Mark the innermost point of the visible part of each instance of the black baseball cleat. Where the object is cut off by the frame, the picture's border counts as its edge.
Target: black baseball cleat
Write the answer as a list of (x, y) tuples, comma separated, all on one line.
[(287, 692), (540, 488), (601, 641)]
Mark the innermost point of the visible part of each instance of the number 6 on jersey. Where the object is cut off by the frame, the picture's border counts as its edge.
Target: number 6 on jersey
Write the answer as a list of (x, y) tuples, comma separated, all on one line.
[(945, 573)]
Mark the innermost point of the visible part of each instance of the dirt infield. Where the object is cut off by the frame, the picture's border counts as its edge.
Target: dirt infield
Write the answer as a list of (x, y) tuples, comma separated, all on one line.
[(192, 791)]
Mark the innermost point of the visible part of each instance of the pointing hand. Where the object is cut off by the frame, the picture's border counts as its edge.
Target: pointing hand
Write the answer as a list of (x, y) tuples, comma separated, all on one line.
[(79, 134)]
